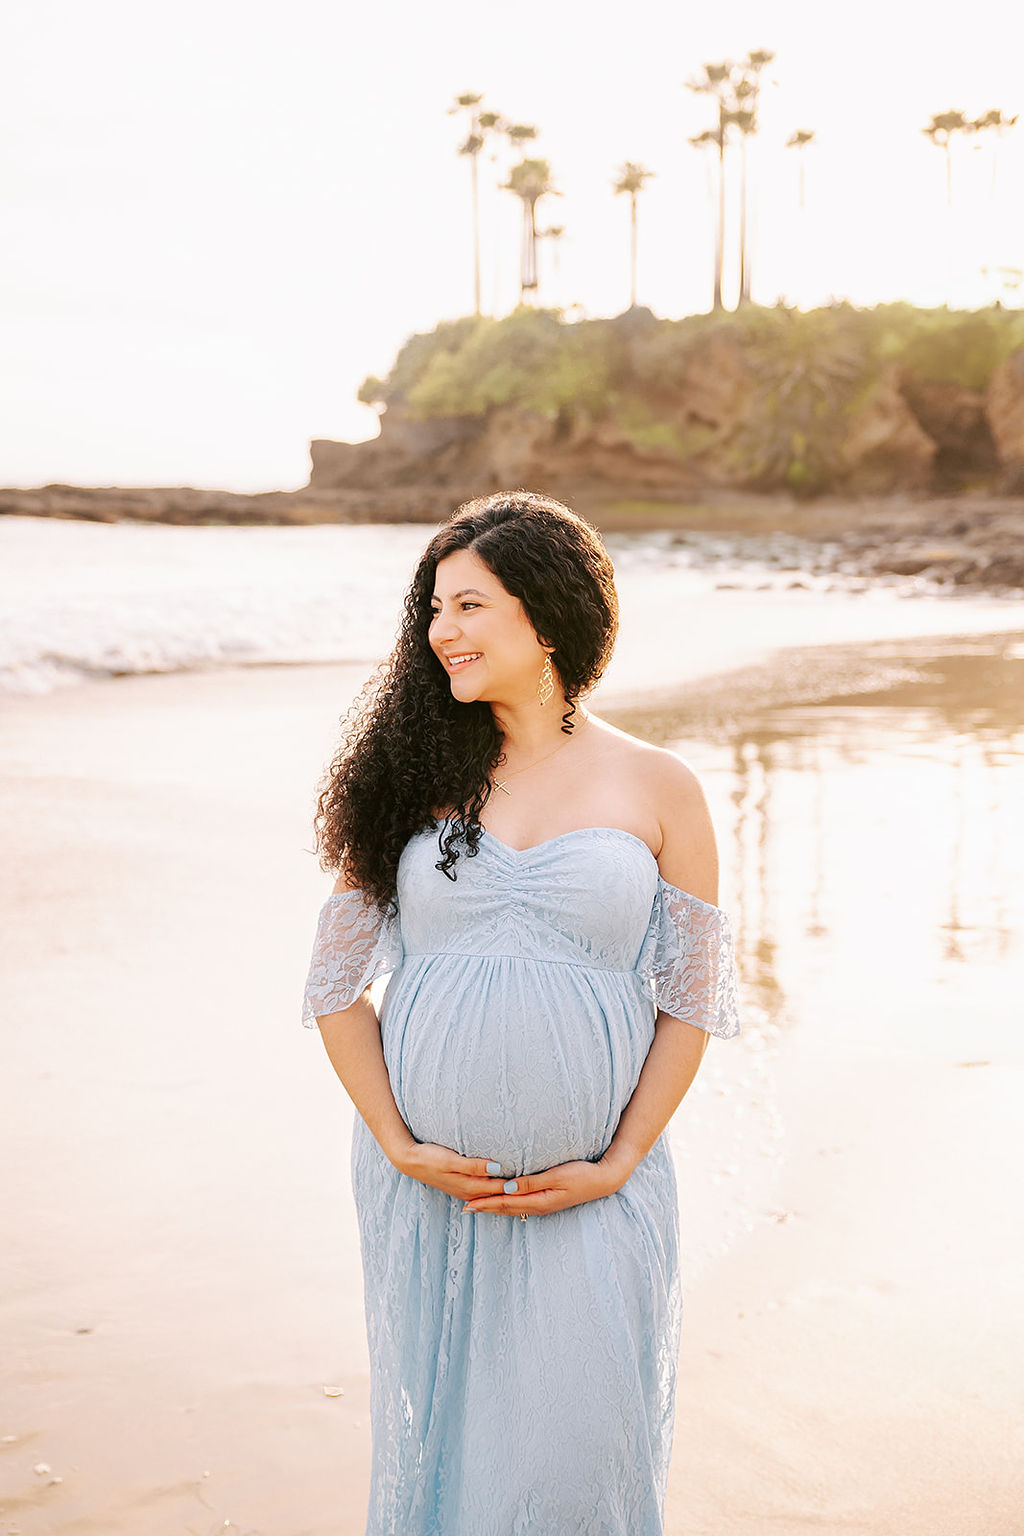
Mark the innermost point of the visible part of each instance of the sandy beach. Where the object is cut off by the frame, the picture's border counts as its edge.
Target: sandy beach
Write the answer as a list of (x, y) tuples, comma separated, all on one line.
[(285, 289), (181, 1314)]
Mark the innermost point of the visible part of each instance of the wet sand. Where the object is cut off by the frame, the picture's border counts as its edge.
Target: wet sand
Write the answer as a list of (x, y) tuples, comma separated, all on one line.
[(854, 1362), (180, 1271)]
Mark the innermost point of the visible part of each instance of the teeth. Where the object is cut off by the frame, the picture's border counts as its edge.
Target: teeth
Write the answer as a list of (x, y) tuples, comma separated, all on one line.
[(459, 661)]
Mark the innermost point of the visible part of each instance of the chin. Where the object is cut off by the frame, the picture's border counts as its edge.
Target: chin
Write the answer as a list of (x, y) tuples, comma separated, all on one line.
[(463, 690), (469, 690)]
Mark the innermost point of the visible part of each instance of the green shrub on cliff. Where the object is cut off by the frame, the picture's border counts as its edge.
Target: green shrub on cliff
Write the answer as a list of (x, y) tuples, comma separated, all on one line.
[(809, 369), (770, 393), (944, 346), (535, 359), (530, 359), (415, 358)]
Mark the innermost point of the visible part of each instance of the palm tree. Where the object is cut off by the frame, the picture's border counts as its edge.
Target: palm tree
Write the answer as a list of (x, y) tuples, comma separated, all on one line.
[(530, 180), (995, 123), (555, 233), (480, 124), (941, 130), (799, 141), (716, 82), (744, 120), (746, 93), (518, 134), (631, 179)]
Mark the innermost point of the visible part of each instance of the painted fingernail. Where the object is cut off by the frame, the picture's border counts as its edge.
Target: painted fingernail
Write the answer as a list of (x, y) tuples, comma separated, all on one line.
[(493, 1167), (511, 1187)]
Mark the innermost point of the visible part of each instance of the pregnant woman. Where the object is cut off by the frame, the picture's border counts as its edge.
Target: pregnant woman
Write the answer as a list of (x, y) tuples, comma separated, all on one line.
[(542, 887)]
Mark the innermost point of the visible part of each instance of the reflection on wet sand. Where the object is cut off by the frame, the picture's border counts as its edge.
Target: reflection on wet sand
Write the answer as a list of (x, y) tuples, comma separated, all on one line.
[(888, 780)]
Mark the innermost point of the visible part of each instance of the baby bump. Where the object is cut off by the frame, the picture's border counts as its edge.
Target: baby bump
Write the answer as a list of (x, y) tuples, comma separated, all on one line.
[(528, 1062)]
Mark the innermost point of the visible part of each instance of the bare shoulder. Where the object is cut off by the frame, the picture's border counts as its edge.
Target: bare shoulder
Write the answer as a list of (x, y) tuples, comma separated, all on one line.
[(674, 794), (613, 743), (689, 853), (343, 884), (665, 774)]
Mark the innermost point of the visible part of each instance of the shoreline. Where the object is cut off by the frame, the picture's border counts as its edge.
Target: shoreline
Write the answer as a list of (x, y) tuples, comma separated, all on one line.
[(96, 603), (172, 1113), (969, 541)]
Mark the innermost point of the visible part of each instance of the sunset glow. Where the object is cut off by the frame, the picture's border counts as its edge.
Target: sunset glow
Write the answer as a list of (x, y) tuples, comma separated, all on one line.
[(220, 218)]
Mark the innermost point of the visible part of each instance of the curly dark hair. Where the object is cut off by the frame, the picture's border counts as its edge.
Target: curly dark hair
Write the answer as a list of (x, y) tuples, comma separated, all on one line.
[(411, 753)]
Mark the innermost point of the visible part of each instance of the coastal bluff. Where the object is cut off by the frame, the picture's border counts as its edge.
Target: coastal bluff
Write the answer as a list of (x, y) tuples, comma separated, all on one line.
[(841, 401), (892, 439)]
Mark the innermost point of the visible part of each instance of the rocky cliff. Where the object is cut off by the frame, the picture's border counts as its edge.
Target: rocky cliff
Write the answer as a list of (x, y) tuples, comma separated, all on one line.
[(889, 440), (842, 401)]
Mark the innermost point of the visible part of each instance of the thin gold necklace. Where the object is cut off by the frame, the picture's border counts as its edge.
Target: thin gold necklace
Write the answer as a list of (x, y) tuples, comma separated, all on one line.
[(502, 783)]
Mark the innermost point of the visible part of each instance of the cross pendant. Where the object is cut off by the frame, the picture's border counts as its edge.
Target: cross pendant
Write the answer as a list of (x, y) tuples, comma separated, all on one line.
[(499, 785)]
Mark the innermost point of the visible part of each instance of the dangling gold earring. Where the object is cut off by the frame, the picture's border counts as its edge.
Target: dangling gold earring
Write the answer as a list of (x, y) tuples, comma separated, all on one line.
[(546, 686)]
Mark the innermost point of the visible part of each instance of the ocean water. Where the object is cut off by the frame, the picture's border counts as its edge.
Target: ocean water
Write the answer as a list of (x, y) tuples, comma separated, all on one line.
[(83, 600)]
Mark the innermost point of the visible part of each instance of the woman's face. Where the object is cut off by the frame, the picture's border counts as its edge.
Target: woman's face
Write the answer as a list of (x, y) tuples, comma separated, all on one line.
[(481, 635)]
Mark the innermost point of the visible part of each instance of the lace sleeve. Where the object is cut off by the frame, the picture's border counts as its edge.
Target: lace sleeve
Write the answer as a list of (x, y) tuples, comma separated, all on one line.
[(688, 955), (353, 946)]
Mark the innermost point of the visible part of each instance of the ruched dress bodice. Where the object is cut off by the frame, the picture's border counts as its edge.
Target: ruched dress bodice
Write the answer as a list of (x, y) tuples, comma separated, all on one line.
[(545, 1047), (522, 1373)]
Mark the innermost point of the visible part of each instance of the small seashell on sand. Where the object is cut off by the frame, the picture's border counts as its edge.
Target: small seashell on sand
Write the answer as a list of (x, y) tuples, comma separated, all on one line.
[(41, 1468), (334, 1391)]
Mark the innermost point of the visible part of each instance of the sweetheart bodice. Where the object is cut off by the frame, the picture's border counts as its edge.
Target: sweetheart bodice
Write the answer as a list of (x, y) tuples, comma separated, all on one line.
[(592, 898), (582, 898)]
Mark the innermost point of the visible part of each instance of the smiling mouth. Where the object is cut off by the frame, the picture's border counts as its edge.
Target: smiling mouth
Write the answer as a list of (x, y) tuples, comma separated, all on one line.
[(458, 663)]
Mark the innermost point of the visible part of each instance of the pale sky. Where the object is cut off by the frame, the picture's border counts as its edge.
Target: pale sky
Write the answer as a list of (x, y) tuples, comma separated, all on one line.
[(218, 218)]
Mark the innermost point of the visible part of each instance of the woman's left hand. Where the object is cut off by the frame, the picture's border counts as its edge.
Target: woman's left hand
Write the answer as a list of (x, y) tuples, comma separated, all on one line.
[(556, 1189)]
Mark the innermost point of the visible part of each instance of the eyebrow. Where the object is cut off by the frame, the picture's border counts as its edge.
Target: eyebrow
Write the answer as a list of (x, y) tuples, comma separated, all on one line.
[(466, 592)]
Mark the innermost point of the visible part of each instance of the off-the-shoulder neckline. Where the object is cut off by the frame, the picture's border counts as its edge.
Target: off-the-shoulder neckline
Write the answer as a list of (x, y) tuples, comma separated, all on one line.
[(547, 842), (560, 837)]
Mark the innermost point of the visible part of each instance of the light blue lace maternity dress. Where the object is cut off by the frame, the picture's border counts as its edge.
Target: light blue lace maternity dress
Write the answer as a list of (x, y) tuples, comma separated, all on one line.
[(523, 1373)]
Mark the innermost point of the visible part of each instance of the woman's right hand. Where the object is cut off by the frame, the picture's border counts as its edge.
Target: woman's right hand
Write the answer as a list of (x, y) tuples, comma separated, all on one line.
[(441, 1168)]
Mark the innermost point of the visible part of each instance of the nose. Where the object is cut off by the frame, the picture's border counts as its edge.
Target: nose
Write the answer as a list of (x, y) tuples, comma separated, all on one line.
[(443, 627)]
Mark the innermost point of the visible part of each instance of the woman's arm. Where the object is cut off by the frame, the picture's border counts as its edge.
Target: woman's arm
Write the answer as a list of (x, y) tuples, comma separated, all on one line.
[(345, 959), (671, 1066), (688, 859), (351, 1036), (352, 1040)]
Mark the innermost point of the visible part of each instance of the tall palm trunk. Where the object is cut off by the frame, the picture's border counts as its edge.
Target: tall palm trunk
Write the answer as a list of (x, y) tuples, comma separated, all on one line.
[(528, 266), (720, 228), (744, 296), (530, 181), (476, 237)]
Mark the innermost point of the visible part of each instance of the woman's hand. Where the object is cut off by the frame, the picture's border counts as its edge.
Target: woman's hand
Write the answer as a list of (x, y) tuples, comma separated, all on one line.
[(556, 1189), (441, 1168)]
